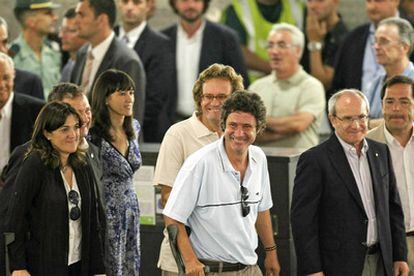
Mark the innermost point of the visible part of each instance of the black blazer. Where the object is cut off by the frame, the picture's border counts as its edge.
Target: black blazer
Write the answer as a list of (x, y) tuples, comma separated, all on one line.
[(154, 51), (120, 57), (220, 45), (329, 223), (24, 113), (28, 83), (40, 209)]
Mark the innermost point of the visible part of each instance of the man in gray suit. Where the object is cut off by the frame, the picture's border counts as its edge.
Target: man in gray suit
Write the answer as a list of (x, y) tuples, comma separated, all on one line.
[(397, 132), (95, 20)]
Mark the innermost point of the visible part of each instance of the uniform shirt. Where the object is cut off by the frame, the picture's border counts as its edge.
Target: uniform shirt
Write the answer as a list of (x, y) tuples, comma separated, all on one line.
[(301, 92), (5, 131), (188, 61), (207, 197), (362, 175), (402, 161), (47, 67)]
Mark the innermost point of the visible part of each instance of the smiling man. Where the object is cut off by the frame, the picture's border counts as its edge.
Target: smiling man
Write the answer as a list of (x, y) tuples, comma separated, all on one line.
[(346, 214), (222, 193), (397, 133), (294, 100), (213, 86)]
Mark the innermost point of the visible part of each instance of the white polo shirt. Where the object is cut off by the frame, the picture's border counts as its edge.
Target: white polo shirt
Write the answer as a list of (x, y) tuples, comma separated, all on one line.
[(206, 196)]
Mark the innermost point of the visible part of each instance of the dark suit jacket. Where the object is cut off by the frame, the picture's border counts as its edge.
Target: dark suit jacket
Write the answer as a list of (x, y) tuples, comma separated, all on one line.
[(120, 57), (41, 200), (28, 83), (329, 223), (24, 114), (220, 45), (153, 49)]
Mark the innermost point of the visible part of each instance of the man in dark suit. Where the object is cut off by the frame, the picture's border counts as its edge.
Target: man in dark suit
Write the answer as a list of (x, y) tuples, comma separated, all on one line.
[(95, 20), (24, 81), (356, 65), (196, 44), (153, 49), (18, 112), (346, 213)]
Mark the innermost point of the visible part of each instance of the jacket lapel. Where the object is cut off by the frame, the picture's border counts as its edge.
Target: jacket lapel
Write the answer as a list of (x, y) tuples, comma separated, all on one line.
[(341, 165)]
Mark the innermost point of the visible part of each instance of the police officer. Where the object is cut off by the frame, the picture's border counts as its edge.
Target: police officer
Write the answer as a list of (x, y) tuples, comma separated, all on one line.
[(33, 51)]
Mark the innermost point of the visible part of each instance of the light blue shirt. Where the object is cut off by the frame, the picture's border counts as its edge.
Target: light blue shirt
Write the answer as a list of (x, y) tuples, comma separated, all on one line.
[(374, 93), (206, 196), (370, 67)]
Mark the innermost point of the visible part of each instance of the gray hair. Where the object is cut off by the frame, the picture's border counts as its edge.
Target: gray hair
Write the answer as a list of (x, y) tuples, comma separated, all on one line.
[(405, 30), (335, 97), (298, 38)]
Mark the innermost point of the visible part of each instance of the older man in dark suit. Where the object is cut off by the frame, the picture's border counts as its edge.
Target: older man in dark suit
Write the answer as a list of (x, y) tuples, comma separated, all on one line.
[(196, 44), (95, 20), (153, 49), (17, 112), (346, 213)]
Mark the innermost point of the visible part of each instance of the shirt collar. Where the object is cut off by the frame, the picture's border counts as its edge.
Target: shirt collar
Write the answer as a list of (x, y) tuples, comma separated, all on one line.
[(6, 111), (134, 34), (225, 162), (100, 50), (390, 139), (199, 128), (294, 79), (198, 34), (350, 148)]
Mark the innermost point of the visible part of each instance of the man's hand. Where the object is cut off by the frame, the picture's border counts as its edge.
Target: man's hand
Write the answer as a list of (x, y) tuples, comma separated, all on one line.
[(401, 269), (315, 30), (194, 268), (271, 264)]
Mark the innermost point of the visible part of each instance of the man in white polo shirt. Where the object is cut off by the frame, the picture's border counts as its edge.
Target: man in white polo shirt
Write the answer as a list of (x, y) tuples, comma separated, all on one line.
[(222, 193)]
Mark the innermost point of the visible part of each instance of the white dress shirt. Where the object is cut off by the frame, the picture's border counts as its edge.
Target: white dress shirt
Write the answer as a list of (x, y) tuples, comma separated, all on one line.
[(362, 175), (402, 161), (5, 131), (75, 226), (133, 35), (188, 60), (98, 54)]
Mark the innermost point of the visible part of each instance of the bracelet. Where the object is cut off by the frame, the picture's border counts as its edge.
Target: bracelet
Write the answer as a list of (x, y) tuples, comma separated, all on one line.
[(271, 248)]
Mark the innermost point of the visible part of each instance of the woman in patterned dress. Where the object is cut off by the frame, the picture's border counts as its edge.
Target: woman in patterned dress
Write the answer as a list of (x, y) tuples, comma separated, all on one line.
[(115, 132)]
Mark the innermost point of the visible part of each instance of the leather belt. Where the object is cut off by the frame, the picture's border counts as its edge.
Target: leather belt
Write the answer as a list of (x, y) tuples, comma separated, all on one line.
[(223, 266), (373, 249), (410, 234)]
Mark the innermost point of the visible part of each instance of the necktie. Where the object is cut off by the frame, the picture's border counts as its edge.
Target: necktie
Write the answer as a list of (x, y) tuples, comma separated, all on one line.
[(87, 70)]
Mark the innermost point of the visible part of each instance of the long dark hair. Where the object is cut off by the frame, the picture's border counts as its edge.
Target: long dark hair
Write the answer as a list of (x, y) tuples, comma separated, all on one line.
[(52, 116), (107, 83)]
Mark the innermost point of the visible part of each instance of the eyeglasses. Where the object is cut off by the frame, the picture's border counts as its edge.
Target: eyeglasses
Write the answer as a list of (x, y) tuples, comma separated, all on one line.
[(75, 211), (279, 45), (351, 119), (245, 208), (385, 42), (211, 97)]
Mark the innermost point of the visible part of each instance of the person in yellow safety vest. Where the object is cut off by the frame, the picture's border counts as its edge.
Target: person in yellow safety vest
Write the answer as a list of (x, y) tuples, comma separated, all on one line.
[(253, 20)]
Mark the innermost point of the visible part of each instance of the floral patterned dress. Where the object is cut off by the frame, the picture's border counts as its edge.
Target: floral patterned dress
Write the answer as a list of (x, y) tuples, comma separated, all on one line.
[(122, 243)]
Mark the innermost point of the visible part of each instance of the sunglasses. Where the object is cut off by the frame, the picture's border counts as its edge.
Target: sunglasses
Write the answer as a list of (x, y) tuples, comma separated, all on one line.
[(75, 211), (245, 208)]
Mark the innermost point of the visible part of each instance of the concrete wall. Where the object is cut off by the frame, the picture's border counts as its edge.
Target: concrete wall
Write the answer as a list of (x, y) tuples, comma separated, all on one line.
[(352, 11)]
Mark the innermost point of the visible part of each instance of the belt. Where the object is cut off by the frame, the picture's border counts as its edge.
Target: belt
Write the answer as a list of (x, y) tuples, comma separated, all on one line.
[(373, 249), (410, 234), (223, 266)]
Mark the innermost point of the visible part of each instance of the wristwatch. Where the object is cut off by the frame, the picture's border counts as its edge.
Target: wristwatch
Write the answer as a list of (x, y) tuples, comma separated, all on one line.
[(314, 46)]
